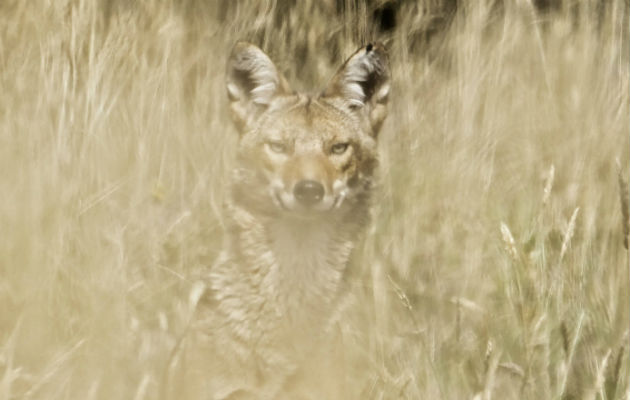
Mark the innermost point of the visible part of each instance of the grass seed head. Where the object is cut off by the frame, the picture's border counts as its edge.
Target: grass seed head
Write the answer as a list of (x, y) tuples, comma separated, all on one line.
[(568, 234), (508, 241)]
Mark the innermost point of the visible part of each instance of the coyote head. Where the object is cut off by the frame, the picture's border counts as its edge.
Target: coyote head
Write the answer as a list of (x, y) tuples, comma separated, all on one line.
[(302, 154)]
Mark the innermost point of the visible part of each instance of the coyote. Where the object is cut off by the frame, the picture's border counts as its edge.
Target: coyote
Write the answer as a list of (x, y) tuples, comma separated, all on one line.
[(299, 198)]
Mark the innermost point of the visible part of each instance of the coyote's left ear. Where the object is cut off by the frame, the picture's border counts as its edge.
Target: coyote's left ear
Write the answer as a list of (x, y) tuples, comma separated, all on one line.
[(362, 85), (252, 81)]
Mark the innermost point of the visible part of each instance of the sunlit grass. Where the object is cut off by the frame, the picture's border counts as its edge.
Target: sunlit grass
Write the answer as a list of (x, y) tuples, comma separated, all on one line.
[(495, 266)]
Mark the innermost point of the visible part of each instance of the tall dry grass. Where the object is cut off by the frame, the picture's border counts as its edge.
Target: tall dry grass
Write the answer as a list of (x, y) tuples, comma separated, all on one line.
[(479, 278)]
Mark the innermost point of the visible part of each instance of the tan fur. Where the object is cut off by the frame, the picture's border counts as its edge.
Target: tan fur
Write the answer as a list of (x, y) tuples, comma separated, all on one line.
[(266, 314)]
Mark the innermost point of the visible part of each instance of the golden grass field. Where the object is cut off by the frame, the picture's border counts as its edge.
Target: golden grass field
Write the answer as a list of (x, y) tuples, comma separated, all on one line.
[(494, 268)]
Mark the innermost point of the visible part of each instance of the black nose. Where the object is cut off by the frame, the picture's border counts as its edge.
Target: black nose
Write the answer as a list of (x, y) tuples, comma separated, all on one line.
[(308, 192)]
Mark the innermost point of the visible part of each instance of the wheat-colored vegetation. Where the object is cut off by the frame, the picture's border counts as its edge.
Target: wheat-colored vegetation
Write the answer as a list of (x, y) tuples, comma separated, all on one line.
[(495, 266)]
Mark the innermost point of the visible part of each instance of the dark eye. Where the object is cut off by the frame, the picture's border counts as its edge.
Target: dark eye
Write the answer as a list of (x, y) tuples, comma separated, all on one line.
[(277, 147), (339, 148)]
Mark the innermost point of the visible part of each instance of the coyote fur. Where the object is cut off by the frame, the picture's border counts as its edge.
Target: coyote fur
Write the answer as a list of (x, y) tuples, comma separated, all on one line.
[(299, 198)]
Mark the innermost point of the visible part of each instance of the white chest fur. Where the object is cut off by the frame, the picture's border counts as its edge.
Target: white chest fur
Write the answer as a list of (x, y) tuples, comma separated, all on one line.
[(309, 261)]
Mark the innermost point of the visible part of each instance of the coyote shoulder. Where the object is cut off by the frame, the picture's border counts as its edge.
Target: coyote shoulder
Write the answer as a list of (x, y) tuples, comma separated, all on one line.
[(299, 198)]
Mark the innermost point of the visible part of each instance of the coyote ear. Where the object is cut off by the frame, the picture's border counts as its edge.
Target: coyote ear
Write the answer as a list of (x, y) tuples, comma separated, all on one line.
[(362, 84), (252, 82)]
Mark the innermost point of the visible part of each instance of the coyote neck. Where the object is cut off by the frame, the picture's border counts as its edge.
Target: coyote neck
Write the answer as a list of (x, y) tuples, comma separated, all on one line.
[(280, 272), (309, 260)]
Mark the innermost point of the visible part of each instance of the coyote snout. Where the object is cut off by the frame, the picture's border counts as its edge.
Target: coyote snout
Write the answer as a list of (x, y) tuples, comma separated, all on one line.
[(310, 182), (308, 192)]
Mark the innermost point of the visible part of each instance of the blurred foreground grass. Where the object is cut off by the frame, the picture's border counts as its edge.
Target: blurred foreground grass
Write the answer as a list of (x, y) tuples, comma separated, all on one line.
[(495, 266)]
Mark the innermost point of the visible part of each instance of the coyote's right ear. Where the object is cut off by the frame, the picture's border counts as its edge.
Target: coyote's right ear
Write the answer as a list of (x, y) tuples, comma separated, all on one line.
[(252, 83), (362, 85)]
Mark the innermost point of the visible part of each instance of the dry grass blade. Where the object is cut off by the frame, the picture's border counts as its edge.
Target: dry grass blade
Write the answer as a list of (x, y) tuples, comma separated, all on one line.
[(570, 355), (616, 376), (141, 392), (401, 294), (564, 335), (624, 200), (568, 234), (491, 377), (548, 185), (600, 377), (513, 369), (11, 374), (57, 366)]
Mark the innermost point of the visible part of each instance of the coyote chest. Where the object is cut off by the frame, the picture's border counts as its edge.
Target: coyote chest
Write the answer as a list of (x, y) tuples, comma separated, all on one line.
[(309, 261), (289, 276), (299, 198)]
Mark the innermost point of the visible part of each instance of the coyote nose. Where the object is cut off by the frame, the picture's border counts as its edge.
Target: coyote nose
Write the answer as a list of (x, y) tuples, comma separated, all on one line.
[(308, 192)]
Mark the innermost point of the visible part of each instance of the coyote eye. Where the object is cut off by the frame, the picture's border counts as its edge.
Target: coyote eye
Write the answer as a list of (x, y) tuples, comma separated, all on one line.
[(339, 148), (277, 147)]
